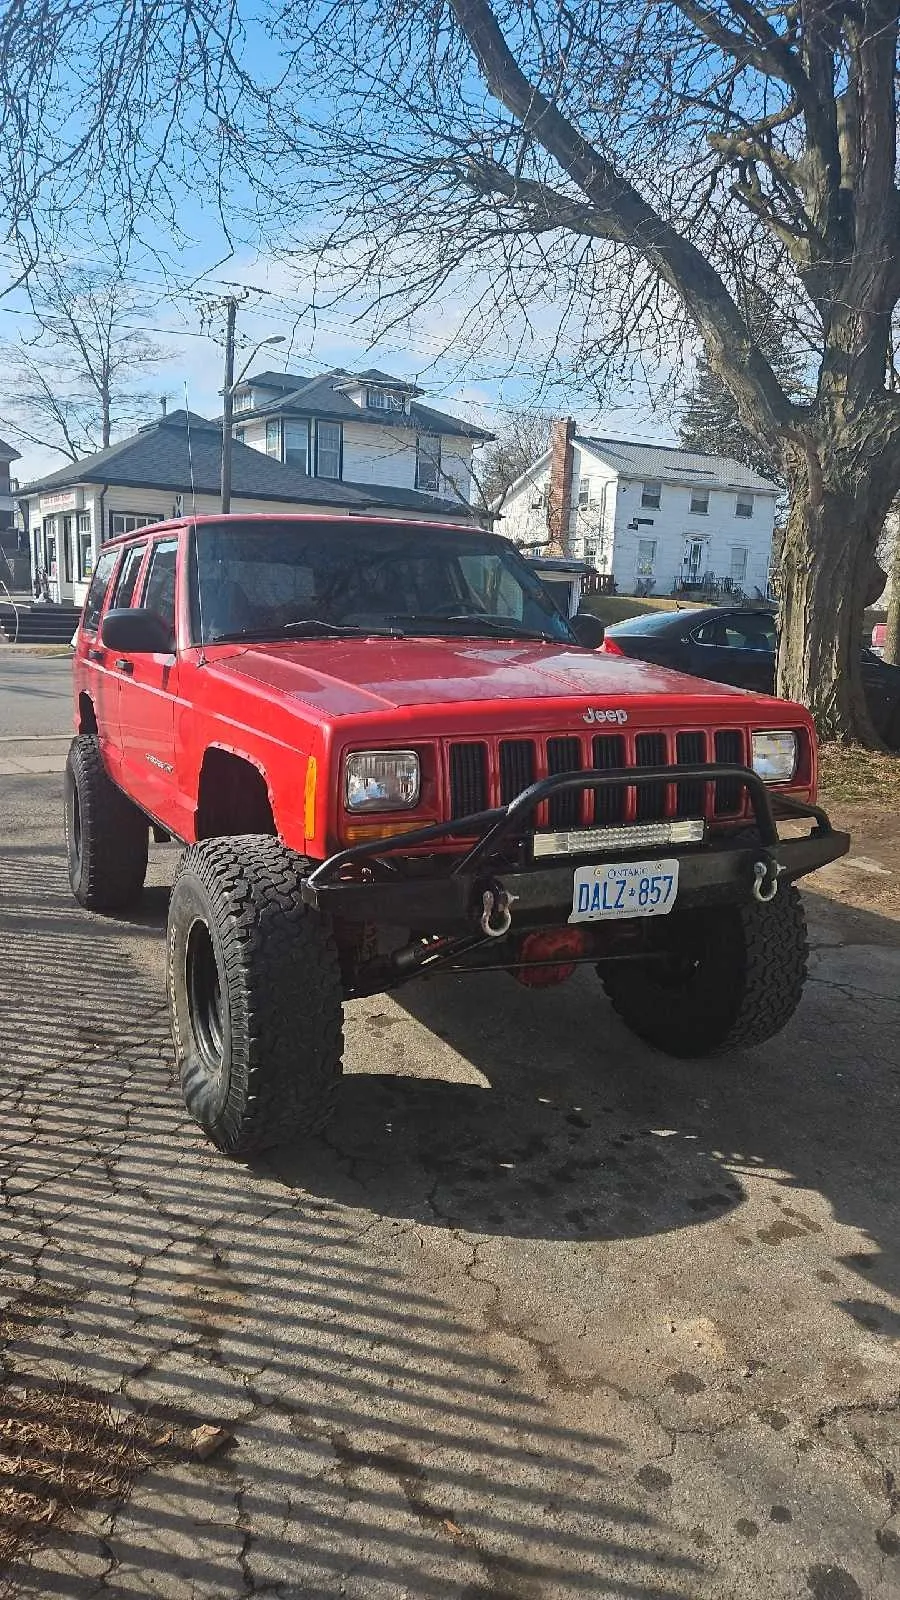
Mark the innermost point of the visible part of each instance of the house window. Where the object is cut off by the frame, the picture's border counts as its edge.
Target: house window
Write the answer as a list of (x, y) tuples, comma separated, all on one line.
[(538, 498), (428, 462), (243, 400), (296, 445), (384, 400), (646, 558), (700, 502), (590, 550), (240, 435), (739, 554), (329, 439), (584, 493), (273, 438), (85, 547), (651, 493), (128, 522), (744, 506)]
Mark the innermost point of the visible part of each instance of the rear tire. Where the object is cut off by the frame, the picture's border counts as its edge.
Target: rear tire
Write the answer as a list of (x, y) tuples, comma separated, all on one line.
[(255, 997), (106, 836), (734, 978)]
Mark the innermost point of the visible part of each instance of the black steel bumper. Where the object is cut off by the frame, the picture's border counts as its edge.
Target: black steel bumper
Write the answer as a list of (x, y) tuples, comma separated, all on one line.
[(381, 883)]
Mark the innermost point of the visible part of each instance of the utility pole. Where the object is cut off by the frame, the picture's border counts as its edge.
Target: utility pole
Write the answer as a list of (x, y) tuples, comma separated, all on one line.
[(228, 401)]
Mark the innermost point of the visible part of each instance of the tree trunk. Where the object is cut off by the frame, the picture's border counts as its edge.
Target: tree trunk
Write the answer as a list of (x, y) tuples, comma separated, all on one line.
[(838, 505)]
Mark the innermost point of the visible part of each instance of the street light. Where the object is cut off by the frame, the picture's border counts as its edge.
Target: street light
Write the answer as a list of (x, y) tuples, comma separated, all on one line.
[(231, 383)]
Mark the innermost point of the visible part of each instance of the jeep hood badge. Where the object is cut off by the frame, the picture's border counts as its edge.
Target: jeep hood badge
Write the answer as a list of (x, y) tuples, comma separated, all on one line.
[(597, 714)]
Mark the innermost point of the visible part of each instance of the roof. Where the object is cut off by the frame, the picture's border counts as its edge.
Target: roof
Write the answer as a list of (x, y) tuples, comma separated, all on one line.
[(158, 457), (636, 459), (9, 452), (324, 396)]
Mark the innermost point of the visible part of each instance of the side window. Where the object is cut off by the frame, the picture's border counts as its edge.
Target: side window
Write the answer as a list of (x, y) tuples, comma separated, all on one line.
[(159, 589), (128, 577), (751, 632), (711, 632), (93, 605)]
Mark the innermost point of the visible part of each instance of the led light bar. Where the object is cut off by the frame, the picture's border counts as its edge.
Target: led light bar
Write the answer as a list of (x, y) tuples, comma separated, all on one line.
[(583, 841)]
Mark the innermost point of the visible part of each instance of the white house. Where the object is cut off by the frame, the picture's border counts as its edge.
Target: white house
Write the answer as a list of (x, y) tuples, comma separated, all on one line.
[(362, 428), (657, 518)]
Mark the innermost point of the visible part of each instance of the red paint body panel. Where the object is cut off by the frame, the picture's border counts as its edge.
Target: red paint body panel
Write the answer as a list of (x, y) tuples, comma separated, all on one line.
[(277, 705)]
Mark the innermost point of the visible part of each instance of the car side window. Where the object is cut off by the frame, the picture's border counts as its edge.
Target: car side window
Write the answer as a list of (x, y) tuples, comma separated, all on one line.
[(96, 594), (710, 632), (750, 632), (159, 589), (128, 577)]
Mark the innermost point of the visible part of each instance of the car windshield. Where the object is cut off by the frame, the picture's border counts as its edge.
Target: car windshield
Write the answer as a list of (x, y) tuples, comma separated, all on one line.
[(274, 579)]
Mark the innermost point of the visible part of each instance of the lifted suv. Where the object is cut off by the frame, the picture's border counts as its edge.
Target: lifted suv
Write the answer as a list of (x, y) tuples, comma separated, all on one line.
[(387, 755)]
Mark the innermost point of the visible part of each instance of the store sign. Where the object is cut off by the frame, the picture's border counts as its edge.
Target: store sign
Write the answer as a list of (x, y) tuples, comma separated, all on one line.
[(62, 500)]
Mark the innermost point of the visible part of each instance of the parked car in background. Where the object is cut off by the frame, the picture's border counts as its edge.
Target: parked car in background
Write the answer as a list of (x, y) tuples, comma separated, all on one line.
[(738, 646), (879, 634)]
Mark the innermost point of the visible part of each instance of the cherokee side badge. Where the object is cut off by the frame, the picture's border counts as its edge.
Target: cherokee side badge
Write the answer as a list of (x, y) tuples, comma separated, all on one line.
[(597, 714)]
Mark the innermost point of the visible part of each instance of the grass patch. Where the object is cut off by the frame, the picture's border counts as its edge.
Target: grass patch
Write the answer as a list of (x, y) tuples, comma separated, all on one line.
[(616, 607), (851, 773)]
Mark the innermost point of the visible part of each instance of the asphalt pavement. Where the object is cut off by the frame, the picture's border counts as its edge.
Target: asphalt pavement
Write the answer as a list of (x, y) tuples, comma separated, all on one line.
[(35, 695), (543, 1315)]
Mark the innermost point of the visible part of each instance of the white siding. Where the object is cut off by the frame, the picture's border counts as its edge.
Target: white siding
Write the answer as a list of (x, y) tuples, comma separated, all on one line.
[(599, 531), (386, 455)]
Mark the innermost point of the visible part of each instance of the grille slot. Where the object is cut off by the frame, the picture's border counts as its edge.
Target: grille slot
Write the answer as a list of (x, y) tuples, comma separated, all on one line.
[(650, 751), (690, 750), (609, 752), (517, 767), (564, 755), (729, 791), (468, 779)]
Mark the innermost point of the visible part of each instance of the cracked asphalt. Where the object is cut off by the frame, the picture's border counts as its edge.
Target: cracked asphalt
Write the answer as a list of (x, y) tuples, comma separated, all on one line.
[(544, 1315)]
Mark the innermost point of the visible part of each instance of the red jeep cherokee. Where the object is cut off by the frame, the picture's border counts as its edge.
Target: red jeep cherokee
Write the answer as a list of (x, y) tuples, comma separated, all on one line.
[(387, 755)]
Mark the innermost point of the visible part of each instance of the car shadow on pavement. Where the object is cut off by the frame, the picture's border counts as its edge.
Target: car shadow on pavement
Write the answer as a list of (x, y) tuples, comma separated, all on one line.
[(565, 1126)]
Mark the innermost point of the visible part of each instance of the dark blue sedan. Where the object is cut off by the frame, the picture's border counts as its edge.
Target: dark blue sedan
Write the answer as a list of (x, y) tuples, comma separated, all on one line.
[(737, 645)]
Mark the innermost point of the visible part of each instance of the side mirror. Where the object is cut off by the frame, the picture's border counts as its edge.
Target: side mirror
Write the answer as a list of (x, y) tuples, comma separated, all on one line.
[(588, 630), (137, 632)]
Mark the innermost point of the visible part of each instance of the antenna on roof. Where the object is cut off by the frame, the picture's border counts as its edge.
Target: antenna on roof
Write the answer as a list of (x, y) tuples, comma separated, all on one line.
[(187, 423)]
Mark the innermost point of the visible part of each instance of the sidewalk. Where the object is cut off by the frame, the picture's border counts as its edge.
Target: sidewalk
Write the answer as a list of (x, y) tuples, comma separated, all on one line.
[(33, 756)]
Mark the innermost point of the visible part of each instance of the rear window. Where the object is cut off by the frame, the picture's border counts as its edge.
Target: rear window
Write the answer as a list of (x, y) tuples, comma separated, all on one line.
[(651, 622), (96, 594)]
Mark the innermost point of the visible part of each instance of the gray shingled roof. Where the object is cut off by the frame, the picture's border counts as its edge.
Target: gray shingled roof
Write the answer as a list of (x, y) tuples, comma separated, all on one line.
[(320, 397), (639, 460), (9, 451), (157, 457)]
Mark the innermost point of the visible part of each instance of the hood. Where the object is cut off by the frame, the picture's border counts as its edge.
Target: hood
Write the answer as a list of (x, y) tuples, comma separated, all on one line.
[(344, 678)]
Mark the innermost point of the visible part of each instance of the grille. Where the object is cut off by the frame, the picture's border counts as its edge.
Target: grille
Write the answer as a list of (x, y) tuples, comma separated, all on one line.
[(517, 767), (468, 779), (730, 751), (514, 764), (609, 804), (650, 751), (564, 755), (690, 748)]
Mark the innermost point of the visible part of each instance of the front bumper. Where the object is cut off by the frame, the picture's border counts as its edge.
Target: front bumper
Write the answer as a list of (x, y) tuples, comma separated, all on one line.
[(382, 883)]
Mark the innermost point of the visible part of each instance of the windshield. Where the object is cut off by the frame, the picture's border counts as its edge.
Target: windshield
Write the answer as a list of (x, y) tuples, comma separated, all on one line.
[(270, 580)]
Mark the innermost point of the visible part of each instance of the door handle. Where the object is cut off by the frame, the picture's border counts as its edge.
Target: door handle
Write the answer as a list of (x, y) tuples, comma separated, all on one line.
[(125, 666), (94, 654)]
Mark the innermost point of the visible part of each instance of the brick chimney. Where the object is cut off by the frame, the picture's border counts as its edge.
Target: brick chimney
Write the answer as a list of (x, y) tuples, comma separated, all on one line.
[(559, 504)]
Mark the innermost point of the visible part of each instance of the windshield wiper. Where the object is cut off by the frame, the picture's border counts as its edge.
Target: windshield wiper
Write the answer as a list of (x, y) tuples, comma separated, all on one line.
[(498, 625), (304, 627)]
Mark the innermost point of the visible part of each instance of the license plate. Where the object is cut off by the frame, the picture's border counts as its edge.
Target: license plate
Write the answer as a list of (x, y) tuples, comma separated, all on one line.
[(624, 889)]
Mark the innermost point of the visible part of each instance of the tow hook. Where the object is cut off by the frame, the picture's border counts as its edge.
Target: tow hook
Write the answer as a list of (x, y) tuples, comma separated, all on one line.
[(765, 880), (495, 917)]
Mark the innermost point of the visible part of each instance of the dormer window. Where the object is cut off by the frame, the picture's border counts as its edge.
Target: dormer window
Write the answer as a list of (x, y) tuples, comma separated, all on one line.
[(385, 400), (243, 400)]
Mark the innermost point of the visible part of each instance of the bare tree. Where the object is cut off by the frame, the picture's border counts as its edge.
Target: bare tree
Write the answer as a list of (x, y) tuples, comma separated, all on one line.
[(520, 440), (639, 165), (73, 378)]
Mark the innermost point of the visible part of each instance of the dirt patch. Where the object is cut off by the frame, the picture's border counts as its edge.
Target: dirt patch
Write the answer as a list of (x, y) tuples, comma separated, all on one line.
[(868, 879), (850, 773)]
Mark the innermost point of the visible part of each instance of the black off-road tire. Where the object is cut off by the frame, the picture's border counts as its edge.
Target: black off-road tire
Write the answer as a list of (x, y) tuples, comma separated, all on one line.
[(106, 836), (734, 978), (255, 997)]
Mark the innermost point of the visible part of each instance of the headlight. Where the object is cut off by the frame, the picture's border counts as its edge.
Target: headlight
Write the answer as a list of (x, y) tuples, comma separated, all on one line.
[(775, 756), (382, 780)]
